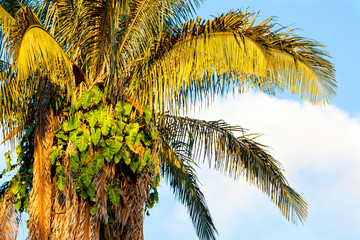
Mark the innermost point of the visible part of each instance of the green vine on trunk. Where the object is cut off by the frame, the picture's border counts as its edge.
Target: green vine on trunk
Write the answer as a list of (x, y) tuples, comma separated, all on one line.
[(97, 133), (21, 183)]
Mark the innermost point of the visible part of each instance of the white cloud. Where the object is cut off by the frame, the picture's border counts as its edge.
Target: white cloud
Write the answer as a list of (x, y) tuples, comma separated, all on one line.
[(320, 151)]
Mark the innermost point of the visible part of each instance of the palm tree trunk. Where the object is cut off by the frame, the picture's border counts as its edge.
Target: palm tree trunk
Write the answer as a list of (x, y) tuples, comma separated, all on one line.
[(73, 214), (133, 201), (137, 210), (41, 194), (8, 217)]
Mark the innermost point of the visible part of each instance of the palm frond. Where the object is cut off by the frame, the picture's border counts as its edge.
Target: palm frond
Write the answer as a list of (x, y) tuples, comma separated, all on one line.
[(145, 23), (6, 20), (8, 217), (12, 6), (231, 50), (12, 134), (34, 50), (236, 156), (62, 22), (15, 105), (34, 54), (176, 170), (45, 55), (146, 19), (138, 28), (100, 19)]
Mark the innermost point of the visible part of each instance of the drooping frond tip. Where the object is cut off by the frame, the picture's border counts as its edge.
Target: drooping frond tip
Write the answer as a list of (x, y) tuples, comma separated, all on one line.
[(178, 172), (265, 172), (236, 156)]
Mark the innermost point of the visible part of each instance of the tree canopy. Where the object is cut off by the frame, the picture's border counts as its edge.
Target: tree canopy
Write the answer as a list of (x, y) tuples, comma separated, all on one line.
[(97, 93)]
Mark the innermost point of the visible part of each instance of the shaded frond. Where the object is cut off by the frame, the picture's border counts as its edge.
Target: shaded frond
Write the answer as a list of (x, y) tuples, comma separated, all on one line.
[(8, 217), (100, 21), (12, 6), (184, 183), (12, 133), (62, 22), (202, 57), (6, 21), (236, 156)]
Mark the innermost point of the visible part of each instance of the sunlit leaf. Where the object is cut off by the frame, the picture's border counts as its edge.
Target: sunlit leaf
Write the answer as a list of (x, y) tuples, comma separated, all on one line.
[(98, 162), (74, 162), (61, 182), (91, 117), (82, 139), (95, 135)]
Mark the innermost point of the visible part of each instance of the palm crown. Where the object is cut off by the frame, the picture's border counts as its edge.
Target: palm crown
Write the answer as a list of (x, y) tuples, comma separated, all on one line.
[(97, 91)]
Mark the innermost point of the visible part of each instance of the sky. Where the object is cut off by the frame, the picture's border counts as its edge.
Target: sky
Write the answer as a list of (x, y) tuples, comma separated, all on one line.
[(319, 147)]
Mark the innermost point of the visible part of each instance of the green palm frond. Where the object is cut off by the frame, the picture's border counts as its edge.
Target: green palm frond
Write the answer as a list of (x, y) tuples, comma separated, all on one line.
[(5, 18), (6, 22), (138, 29), (176, 170), (14, 104), (101, 21), (231, 49), (62, 22), (145, 23), (147, 18), (236, 156)]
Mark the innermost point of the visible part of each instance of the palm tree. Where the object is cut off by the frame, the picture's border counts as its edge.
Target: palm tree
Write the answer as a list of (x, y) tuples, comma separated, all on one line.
[(96, 92)]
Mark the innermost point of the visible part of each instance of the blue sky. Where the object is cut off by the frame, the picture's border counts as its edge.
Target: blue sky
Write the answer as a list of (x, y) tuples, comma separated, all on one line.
[(318, 147)]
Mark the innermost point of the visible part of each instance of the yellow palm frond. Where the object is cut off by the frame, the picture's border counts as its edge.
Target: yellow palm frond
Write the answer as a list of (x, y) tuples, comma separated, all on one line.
[(39, 52), (300, 79), (232, 51), (14, 104), (8, 217)]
